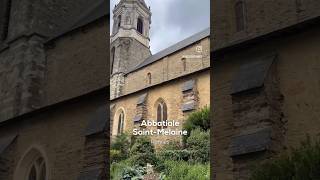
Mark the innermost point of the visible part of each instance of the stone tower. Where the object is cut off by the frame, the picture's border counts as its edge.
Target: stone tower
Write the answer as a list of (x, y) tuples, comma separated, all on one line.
[(129, 41)]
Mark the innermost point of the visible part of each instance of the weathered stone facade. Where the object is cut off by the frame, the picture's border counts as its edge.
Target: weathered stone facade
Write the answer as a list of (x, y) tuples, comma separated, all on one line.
[(264, 83), (129, 47), (52, 81), (171, 92), (177, 76), (261, 17)]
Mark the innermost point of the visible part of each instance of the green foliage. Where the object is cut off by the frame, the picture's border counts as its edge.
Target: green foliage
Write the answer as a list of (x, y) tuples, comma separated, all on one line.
[(142, 152), (301, 163), (135, 173), (120, 148), (199, 119), (116, 155), (174, 155), (181, 170), (116, 170), (142, 144), (123, 171), (198, 145), (173, 145)]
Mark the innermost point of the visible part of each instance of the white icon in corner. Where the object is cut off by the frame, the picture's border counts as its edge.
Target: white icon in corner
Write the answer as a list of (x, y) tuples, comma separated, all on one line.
[(199, 49)]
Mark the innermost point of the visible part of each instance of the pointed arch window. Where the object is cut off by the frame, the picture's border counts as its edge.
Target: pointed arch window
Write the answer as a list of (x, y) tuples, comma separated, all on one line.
[(140, 25), (240, 12), (113, 50), (121, 122), (149, 78), (162, 113), (37, 170)]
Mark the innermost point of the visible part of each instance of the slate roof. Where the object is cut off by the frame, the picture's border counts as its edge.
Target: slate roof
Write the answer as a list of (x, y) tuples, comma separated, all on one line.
[(172, 49), (250, 143), (5, 142), (98, 122), (252, 75)]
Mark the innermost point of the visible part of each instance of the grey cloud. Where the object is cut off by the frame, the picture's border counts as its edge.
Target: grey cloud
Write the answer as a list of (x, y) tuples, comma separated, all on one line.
[(175, 20)]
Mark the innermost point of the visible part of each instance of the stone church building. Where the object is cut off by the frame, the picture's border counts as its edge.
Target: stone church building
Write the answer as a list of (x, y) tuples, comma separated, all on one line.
[(53, 89), (167, 85), (265, 81)]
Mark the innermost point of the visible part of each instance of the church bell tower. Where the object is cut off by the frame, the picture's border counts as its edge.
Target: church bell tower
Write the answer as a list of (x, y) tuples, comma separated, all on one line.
[(129, 41)]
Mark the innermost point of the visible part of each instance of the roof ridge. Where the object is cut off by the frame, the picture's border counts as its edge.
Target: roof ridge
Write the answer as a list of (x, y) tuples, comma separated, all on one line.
[(173, 48)]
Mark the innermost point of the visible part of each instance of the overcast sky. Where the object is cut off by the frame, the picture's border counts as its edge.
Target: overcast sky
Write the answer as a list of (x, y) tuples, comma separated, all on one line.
[(174, 20)]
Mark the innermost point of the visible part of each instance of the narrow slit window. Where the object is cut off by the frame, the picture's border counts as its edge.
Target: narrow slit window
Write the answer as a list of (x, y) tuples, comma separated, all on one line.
[(119, 21), (113, 50), (140, 26), (121, 123), (240, 15), (5, 31), (149, 78), (184, 64)]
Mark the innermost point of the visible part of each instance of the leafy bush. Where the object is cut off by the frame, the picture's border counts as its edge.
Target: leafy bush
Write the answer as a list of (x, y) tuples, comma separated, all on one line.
[(135, 173), (142, 152), (116, 155), (172, 145), (120, 148), (123, 171), (116, 170), (141, 145), (174, 155), (198, 145), (181, 170), (301, 163), (199, 119)]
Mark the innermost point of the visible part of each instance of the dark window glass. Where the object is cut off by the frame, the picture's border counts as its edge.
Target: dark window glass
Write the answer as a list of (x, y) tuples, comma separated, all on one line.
[(140, 26), (162, 113), (119, 21), (120, 123), (33, 173), (149, 78), (113, 50), (184, 64), (6, 21), (240, 15)]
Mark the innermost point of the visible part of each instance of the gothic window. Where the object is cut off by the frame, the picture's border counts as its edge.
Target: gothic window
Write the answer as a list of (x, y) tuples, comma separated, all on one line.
[(33, 165), (112, 59), (240, 16), (184, 64), (5, 31), (119, 21), (121, 122), (161, 113), (140, 25), (37, 170), (149, 78)]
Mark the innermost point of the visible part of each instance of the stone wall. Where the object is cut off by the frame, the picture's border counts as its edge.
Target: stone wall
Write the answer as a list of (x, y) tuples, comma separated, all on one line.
[(170, 67), (286, 104), (261, 17), (34, 75), (60, 132), (77, 63), (45, 17), (171, 93), (21, 76)]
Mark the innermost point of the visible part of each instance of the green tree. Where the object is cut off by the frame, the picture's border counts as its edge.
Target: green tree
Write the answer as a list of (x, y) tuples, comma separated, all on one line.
[(302, 163)]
